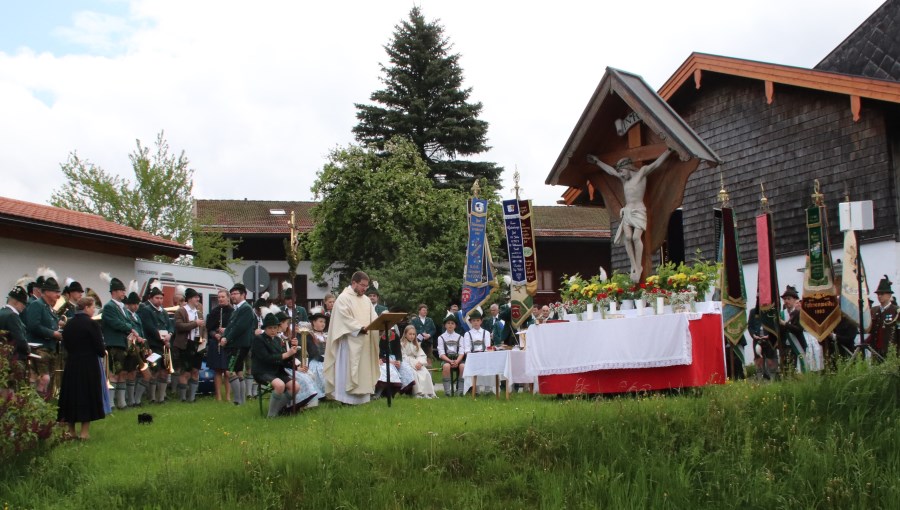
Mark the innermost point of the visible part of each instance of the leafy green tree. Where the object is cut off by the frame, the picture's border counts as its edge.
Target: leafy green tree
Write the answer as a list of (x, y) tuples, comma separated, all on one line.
[(159, 201), (381, 213), (424, 100)]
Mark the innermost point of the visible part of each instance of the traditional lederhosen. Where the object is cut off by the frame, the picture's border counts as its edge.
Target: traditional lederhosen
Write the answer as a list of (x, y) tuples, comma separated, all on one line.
[(452, 346), (478, 343)]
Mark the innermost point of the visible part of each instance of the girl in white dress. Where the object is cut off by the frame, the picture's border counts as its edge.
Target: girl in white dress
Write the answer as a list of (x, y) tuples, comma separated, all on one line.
[(415, 358)]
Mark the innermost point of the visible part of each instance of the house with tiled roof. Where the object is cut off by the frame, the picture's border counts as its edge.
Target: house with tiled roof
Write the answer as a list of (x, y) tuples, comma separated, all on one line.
[(74, 244), (568, 240), (785, 127), (260, 228)]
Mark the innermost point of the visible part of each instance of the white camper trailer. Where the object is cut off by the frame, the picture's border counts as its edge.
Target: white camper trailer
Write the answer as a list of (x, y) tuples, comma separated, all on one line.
[(207, 282)]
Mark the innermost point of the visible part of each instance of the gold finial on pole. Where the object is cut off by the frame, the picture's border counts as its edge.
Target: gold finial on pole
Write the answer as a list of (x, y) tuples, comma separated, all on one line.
[(723, 193), (476, 189), (516, 181), (293, 231), (763, 201), (817, 196)]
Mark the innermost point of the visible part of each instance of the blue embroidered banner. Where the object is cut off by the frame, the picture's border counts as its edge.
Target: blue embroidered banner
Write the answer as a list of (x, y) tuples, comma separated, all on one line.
[(479, 277), (519, 300)]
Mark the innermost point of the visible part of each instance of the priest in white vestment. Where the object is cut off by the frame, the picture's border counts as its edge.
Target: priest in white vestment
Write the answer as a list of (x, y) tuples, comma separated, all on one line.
[(351, 353)]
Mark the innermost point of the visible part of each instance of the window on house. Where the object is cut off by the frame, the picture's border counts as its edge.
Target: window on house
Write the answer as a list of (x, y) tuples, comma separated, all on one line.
[(545, 281)]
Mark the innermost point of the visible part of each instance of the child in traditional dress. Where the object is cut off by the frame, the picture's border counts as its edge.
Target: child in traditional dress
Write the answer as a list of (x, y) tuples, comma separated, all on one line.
[(479, 340), (306, 386), (402, 376), (269, 359), (315, 349), (415, 358), (452, 352)]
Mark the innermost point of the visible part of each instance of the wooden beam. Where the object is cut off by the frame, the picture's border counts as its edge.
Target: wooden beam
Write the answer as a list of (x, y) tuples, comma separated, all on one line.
[(854, 107), (637, 154), (697, 76), (770, 91)]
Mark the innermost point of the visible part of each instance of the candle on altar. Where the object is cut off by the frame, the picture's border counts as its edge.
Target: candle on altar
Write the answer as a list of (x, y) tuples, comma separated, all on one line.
[(612, 306), (660, 303)]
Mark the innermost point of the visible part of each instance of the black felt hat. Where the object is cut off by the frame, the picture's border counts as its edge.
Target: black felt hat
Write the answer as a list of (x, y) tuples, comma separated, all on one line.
[(73, 286), (132, 299), (19, 294), (239, 287), (189, 293), (50, 284), (884, 286), (451, 317), (791, 292)]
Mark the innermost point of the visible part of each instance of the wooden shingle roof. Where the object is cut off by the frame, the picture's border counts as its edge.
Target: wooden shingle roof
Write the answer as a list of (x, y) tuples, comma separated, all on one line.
[(873, 49), (563, 221), (253, 216)]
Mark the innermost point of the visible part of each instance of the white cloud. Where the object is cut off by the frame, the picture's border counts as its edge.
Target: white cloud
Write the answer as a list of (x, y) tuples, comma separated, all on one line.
[(267, 88)]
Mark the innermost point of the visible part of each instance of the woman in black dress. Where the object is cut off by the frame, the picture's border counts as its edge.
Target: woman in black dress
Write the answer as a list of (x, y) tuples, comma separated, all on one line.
[(80, 396)]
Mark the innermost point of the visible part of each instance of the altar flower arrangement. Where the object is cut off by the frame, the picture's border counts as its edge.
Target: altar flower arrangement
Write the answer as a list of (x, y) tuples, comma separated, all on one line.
[(623, 287), (603, 299), (649, 291), (696, 278)]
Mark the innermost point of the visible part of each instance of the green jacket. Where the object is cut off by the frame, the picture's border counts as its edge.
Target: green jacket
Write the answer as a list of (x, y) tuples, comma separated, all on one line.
[(40, 324), (265, 356), (153, 321), (241, 328), (300, 314), (380, 309), (136, 323), (11, 322), (426, 326), (501, 330), (116, 325)]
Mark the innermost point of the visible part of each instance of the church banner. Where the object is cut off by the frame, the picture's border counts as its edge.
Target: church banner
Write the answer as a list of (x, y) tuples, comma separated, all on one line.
[(528, 247), (519, 300), (734, 293), (479, 279), (850, 283), (767, 284), (821, 310)]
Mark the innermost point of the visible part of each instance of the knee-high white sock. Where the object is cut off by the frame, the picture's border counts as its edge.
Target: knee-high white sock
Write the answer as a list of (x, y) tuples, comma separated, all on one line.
[(120, 395), (129, 393), (139, 390), (193, 384)]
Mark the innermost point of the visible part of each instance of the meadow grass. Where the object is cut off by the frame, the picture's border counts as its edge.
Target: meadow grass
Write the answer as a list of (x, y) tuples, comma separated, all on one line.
[(817, 441)]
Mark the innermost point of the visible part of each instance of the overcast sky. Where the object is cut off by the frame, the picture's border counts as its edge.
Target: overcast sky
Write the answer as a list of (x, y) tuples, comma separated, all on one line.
[(258, 93)]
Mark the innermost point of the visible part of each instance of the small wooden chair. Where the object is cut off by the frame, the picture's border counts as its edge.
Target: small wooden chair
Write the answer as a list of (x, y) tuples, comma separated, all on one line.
[(261, 391)]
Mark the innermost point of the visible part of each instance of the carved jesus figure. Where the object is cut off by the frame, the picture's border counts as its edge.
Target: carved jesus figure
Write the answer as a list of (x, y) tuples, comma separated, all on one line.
[(633, 216)]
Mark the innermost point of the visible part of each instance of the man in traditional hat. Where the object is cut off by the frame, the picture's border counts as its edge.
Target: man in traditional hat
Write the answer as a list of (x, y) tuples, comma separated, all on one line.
[(134, 356), (188, 323), (236, 340), (118, 333), (11, 322), (351, 352), (884, 319), (42, 326), (34, 289), (792, 339), (158, 329), (73, 291), (372, 292), (295, 312)]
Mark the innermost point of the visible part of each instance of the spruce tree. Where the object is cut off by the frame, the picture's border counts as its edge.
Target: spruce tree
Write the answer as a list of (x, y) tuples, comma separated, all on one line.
[(423, 100)]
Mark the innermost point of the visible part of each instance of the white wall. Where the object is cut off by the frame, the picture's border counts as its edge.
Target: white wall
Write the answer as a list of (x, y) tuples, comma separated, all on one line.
[(313, 291), (24, 257)]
